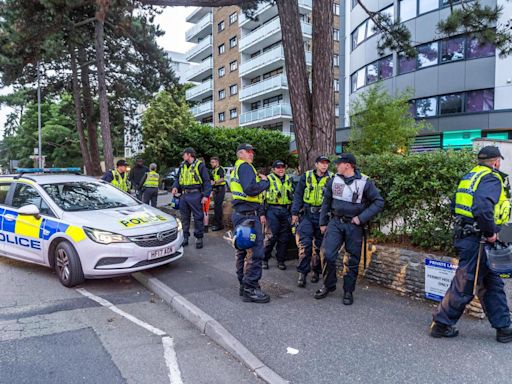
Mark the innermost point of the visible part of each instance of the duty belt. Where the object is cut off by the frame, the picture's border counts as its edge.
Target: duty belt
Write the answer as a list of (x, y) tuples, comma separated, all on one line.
[(248, 213), (185, 191), (284, 206), (313, 209), (465, 229), (343, 219)]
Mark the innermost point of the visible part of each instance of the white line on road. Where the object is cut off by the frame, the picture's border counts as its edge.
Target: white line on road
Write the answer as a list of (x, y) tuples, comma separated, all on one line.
[(168, 343)]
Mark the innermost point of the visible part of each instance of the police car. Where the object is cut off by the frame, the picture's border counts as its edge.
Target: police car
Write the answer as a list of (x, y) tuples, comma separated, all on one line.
[(82, 227)]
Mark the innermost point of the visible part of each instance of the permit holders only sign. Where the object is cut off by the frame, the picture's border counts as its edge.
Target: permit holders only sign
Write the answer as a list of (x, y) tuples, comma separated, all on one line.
[(438, 277)]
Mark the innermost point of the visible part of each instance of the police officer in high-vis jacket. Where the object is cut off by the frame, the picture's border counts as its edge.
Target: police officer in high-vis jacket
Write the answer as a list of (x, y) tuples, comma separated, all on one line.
[(150, 183), (308, 198), (481, 207), (118, 177), (219, 192), (278, 203), (194, 183), (351, 200), (248, 188)]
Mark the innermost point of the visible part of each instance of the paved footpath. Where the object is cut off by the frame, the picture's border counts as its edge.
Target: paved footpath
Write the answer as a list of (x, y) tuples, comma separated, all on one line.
[(381, 338)]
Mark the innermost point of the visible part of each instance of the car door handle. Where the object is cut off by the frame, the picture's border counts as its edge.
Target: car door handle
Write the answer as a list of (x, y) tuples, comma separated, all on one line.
[(9, 217)]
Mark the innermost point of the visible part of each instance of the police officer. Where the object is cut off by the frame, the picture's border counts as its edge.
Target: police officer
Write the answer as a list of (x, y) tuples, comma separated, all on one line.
[(248, 187), (278, 202), (219, 191), (137, 173), (150, 183), (194, 183), (308, 197), (118, 177), (481, 206), (352, 200)]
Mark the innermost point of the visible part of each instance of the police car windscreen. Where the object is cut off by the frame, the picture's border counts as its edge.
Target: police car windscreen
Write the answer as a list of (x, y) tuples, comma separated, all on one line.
[(86, 196)]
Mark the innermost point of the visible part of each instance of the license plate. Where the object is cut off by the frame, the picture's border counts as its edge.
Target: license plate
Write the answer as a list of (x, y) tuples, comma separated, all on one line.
[(156, 254)]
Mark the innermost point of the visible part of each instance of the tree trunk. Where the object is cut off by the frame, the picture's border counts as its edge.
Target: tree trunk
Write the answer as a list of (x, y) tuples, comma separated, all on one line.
[(89, 112), (323, 123), (78, 112), (296, 72), (108, 154)]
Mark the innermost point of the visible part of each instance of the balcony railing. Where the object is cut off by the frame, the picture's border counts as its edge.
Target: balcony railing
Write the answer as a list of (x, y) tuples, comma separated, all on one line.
[(206, 43), (266, 113), (202, 109), (264, 86), (198, 69), (203, 23), (266, 58), (263, 32), (242, 19), (199, 89)]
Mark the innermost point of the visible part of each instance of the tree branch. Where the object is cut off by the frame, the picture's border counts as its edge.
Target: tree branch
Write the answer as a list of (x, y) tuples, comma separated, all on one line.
[(84, 22)]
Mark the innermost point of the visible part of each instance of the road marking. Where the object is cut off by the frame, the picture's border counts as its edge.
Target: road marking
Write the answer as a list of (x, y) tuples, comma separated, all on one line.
[(167, 341)]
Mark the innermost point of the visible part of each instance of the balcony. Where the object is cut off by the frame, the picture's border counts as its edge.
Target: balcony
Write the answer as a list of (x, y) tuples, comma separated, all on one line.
[(201, 51), (266, 11), (266, 115), (200, 91), (268, 34), (266, 62), (202, 110), (266, 87), (200, 30), (198, 14), (200, 71)]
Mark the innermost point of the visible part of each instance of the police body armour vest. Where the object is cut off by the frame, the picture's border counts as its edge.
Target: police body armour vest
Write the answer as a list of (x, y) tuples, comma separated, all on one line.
[(152, 179), (352, 193), (279, 193), (215, 174), (120, 181), (237, 189), (466, 190), (314, 191), (189, 174)]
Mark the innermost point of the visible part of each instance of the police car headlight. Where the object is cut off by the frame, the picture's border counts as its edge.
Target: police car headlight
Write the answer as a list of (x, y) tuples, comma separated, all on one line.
[(105, 237), (178, 223)]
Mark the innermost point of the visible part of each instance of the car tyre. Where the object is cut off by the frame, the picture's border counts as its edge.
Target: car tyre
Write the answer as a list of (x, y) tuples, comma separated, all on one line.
[(67, 265)]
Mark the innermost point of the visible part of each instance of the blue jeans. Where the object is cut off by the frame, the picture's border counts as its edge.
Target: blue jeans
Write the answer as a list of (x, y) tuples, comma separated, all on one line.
[(278, 231)]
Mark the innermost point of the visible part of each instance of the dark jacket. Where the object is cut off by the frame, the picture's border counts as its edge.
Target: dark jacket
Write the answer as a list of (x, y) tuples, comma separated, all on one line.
[(251, 188), (486, 196), (206, 187), (298, 196), (136, 175), (371, 204)]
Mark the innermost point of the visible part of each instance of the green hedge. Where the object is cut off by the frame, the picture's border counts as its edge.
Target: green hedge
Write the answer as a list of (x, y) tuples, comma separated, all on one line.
[(418, 189)]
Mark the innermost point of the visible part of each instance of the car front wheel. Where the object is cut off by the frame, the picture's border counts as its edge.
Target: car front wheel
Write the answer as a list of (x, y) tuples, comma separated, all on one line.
[(67, 265)]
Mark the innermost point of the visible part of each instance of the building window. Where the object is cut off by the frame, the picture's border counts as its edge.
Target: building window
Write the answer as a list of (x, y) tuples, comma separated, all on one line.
[(406, 64), (336, 9), (337, 110), (233, 42), (358, 35), (372, 73), (386, 67), (449, 104), (233, 66), (480, 101), (222, 49), (476, 50), (272, 100), (222, 94), (336, 34), (408, 9), (426, 107), (233, 114), (336, 85), (358, 79), (336, 60), (233, 18), (452, 49), (221, 26), (427, 55), (222, 117), (256, 105), (428, 5), (221, 71), (233, 89)]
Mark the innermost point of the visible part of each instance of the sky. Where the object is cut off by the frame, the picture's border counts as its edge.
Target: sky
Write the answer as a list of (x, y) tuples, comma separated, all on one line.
[(172, 21)]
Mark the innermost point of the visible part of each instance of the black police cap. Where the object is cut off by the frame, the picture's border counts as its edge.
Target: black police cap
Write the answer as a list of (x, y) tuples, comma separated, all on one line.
[(245, 146), (121, 163), (322, 158), (278, 163), (346, 158), (489, 152)]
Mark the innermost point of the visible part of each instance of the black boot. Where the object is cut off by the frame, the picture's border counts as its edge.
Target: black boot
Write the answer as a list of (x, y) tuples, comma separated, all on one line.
[(301, 283), (348, 299), (185, 242), (241, 290), (323, 292), (199, 243), (206, 229), (216, 228), (281, 265), (264, 265), (315, 277), (439, 330), (255, 295), (504, 335)]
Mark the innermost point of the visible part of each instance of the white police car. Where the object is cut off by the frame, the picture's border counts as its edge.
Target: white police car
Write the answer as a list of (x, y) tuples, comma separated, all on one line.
[(82, 227)]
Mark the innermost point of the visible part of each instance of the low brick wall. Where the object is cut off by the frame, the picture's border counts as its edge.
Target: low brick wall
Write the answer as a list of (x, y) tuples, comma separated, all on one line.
[(403, 270)]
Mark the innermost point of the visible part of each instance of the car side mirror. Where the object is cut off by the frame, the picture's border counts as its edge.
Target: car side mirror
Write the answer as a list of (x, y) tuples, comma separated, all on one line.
[(29, 210)]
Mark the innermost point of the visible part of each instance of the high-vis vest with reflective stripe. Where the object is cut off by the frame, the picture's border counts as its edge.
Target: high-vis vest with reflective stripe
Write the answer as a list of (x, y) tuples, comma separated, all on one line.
[(215, 174), (279, 193), (314, 191), (120, 181), (152, 179), (466, 191), (236, 187), (189, 174)]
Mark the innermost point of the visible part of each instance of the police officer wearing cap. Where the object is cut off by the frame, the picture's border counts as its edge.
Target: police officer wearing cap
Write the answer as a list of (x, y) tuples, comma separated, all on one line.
[(351, 200), (219, 192), (481, 207), (278, 202), (118, 177), (194, 183), (248, 189), (308, 199)]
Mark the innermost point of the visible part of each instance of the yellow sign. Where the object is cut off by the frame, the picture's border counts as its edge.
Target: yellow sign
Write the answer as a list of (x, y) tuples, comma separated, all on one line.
[(142, 220)]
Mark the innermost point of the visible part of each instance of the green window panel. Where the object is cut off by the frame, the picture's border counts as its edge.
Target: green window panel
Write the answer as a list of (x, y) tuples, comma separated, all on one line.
[(460, 139)]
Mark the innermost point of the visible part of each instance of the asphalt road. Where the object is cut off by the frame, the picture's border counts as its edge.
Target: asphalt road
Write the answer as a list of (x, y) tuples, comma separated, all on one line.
[(52, 334)]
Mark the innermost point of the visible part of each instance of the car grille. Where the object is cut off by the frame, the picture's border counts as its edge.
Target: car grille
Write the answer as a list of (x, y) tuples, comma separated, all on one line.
[(156, 239)]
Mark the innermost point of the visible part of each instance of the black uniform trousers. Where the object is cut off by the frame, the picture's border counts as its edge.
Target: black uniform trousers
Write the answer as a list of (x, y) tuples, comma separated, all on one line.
[(218, 200), (309, 240), (277, 231), (150, 196), (190, 204)]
